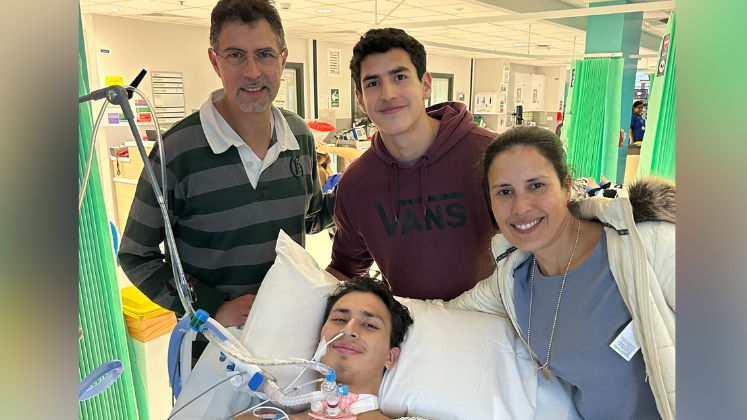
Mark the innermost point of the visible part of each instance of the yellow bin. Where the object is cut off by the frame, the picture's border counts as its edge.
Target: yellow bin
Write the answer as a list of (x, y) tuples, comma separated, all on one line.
[(146, 321)]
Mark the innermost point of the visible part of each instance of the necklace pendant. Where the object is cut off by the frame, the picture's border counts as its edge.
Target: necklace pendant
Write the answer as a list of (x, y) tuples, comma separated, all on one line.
[(546, 373)]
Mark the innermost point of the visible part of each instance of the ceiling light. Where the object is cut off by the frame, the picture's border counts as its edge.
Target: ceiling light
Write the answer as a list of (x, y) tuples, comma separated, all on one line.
[(568, 53), (323, 11), (442, 31), (114, 9), (518, 44)]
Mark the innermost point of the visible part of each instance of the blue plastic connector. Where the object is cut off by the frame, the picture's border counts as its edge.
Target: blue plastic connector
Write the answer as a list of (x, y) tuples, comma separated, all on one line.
[(199, 318), (331, 377), (256, 381), (202, 315), (342, 390), (231, 367)]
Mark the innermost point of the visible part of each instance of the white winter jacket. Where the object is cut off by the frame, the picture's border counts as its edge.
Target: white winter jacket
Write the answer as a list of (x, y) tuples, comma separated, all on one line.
[(642, 261)]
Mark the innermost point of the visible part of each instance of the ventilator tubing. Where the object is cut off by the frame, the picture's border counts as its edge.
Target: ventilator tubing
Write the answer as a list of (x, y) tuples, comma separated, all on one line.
[(275, 394), (258, 380), (238, 354)]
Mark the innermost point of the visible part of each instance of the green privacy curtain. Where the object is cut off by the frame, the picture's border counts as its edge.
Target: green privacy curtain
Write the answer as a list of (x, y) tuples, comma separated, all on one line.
[(99, 306), (658, 149), (592, 128)]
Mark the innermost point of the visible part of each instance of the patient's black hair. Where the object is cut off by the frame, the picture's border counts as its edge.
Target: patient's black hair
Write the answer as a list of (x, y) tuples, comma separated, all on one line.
[(398, 313)]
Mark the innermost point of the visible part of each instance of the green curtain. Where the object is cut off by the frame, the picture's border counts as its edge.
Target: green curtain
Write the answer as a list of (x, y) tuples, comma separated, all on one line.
[(99, 305), (592, 117), (658, 149)]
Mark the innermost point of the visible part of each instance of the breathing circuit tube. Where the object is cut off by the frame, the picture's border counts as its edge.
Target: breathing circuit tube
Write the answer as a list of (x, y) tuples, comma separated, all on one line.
[(234, 350)]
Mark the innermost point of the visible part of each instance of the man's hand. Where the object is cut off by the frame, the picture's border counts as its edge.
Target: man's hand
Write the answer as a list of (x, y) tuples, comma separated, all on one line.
[(233, 313)]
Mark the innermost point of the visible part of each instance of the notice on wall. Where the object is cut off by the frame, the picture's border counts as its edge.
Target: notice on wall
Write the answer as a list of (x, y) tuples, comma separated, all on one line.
[(142, 111), (335, 98), (168, 97), (114, 80), (324, 101)]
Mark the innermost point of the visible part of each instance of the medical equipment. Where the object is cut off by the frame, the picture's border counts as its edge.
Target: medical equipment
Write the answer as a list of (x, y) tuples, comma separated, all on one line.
[(246, 374)]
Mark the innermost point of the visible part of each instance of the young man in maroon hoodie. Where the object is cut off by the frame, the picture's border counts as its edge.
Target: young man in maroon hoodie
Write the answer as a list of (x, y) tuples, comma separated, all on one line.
[(412, 202)]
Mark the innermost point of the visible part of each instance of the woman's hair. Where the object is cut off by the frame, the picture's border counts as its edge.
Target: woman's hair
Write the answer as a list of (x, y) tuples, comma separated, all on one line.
[(322, 161), (545, 142), (637, 103)]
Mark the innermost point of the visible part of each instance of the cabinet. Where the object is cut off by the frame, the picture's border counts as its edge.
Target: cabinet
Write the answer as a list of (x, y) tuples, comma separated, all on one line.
[(540, 92), (529, 91), (555, 90)]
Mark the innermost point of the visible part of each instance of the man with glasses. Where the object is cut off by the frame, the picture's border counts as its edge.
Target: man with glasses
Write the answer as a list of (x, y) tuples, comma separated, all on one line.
[(239, 171)]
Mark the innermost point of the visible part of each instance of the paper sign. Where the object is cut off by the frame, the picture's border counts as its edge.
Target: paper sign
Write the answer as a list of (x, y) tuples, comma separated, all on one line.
[(114, 80), (335, 96), (113, 118), (144, 117)]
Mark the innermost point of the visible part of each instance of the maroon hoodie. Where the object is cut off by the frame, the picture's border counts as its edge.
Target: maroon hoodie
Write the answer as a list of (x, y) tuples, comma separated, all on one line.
[(426, 225)]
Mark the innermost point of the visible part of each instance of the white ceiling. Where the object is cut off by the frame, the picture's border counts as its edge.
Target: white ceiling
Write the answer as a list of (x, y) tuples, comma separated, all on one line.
[(350, 17)]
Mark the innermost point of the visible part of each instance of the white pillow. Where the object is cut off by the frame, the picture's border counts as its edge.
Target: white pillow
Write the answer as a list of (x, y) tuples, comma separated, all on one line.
[(287, 316), (454, 364), (458, 364)]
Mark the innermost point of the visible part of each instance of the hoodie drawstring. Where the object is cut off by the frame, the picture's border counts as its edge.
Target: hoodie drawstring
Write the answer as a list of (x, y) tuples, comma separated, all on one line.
[(395, 192), (424, 183)]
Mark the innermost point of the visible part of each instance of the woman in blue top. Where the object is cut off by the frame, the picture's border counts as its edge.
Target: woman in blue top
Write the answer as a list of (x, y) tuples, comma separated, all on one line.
[(637, 123), (583, 284)]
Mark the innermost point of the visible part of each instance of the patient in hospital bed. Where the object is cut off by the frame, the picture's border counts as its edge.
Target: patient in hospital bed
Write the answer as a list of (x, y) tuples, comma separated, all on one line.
[(364, 326), (449, 364)]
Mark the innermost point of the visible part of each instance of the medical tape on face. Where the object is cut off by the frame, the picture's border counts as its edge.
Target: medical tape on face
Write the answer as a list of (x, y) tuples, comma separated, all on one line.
[(321, 350)]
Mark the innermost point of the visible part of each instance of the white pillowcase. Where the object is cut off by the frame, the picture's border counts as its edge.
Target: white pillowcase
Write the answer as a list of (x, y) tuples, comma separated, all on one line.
[(454, 364)]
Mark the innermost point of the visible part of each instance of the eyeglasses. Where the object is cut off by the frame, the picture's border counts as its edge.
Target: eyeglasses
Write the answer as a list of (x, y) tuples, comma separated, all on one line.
[(237, 59)]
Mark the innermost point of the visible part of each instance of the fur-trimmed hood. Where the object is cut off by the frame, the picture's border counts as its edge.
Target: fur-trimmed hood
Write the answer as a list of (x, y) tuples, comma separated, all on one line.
[(652, 199)]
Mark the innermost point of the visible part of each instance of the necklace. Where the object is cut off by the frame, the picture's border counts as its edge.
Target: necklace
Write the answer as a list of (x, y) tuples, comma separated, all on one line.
[(546, 373)]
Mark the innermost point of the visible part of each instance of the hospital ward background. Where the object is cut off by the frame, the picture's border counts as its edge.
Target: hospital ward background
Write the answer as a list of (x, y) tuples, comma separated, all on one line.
[(600, 75)]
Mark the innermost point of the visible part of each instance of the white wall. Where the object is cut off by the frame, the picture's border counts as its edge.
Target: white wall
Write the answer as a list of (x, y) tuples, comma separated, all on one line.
[(459, 67), (343, 82), (298, 52), (139, 44), (488, 74)]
